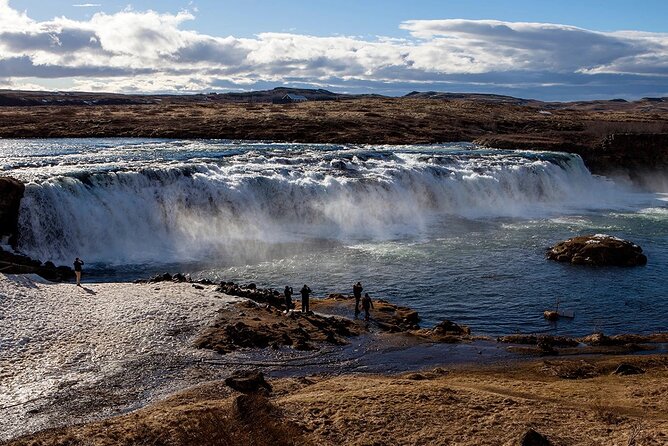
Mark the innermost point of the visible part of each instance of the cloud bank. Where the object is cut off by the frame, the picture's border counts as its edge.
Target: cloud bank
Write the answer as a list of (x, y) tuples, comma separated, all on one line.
[(145, 51)]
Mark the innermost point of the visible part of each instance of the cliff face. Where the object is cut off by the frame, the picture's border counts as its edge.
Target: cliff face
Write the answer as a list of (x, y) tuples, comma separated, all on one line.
[(11, 192), (635, 155)]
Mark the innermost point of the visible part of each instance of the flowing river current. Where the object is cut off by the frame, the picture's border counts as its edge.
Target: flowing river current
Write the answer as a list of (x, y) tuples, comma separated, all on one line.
[(455, 231)]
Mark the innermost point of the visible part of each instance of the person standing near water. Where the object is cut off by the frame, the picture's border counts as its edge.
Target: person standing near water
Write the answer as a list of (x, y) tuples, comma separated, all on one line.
[(306, 292), (78, 263), (357, 292), (366, 305), (287, 292)]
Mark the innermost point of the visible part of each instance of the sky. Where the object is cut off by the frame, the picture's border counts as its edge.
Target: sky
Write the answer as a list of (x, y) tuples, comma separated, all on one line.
[(551, 50)]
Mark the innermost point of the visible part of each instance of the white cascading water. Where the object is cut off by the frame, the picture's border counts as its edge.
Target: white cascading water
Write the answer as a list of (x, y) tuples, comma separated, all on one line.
[(189, 209)]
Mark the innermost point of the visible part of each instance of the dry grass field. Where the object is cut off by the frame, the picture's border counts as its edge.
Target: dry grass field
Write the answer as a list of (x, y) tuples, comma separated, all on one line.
[(462, 406)]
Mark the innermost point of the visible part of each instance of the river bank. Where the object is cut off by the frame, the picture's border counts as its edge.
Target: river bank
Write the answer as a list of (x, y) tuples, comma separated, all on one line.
[(78, 355)]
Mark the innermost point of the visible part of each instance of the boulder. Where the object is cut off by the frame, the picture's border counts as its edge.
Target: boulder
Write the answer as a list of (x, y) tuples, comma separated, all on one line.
[(597, 250), (250, 381), (11, 193), (452, 328), (533, 438)]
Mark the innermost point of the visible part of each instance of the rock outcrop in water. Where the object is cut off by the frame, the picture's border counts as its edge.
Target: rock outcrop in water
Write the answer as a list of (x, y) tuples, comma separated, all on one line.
[(16, 263), (11, 193), (598, 250)]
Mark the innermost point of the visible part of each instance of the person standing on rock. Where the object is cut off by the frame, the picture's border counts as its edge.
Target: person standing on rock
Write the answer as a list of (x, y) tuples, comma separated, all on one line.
[(357, 292), (287, 292), (366, 305), (306, 292), (78, 263)]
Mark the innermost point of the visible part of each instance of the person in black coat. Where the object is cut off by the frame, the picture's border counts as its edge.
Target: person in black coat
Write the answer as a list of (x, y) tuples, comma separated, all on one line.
[(366, 305), (78, 263), (306, 292), (357, 292), (287, 292)]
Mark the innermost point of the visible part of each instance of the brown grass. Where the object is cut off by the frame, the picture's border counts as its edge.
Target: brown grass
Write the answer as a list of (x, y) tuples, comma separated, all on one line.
[(466, 406)]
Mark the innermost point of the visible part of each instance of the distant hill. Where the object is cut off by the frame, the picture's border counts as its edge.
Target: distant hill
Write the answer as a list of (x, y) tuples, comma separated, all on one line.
[(18, 98)]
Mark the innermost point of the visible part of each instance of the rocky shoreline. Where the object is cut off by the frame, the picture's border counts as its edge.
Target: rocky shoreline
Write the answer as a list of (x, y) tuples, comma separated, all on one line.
[(263, 320), (202, 335)]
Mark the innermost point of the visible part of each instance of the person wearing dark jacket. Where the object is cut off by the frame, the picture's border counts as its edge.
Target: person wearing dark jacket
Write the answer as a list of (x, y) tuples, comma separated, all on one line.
[(306, 292), (78, 263), (366, 305), (287, 292), (357, 292)]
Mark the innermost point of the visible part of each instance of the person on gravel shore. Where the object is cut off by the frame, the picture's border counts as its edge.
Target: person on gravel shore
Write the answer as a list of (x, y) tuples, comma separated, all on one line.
[(78, 263)]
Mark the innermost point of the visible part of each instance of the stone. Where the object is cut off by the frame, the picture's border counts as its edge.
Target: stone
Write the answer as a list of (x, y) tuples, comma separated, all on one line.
[(598, 250), (11, 193), (248, 382), (625, 369), (449, 327), (533, 438)]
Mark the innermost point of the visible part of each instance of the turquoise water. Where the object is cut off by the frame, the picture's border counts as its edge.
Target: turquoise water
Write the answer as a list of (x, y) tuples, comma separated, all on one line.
[(454, 231)]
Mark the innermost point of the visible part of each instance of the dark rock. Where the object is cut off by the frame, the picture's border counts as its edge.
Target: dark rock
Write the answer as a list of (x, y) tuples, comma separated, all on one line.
[(449, 327), (625, 369), (248, 382), (533, 438), (178, 277), (15, 263), (11, 193), (598, 250), (198, 287)]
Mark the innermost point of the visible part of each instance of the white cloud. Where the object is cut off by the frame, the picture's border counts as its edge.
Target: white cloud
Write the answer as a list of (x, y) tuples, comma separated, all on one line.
[(87, 5), (149, 51)]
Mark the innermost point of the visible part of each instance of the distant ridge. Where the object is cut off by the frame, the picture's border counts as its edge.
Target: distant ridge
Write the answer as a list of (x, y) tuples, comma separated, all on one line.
[(20, 98)]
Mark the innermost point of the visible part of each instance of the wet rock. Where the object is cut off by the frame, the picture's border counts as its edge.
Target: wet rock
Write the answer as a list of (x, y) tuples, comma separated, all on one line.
[(597, 339), (264, 326), (248, 382), (625, 369), (178, 277), (598, 250), (449, 327), (533, 438), (11, 193), (165, 277), (16, 263)]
